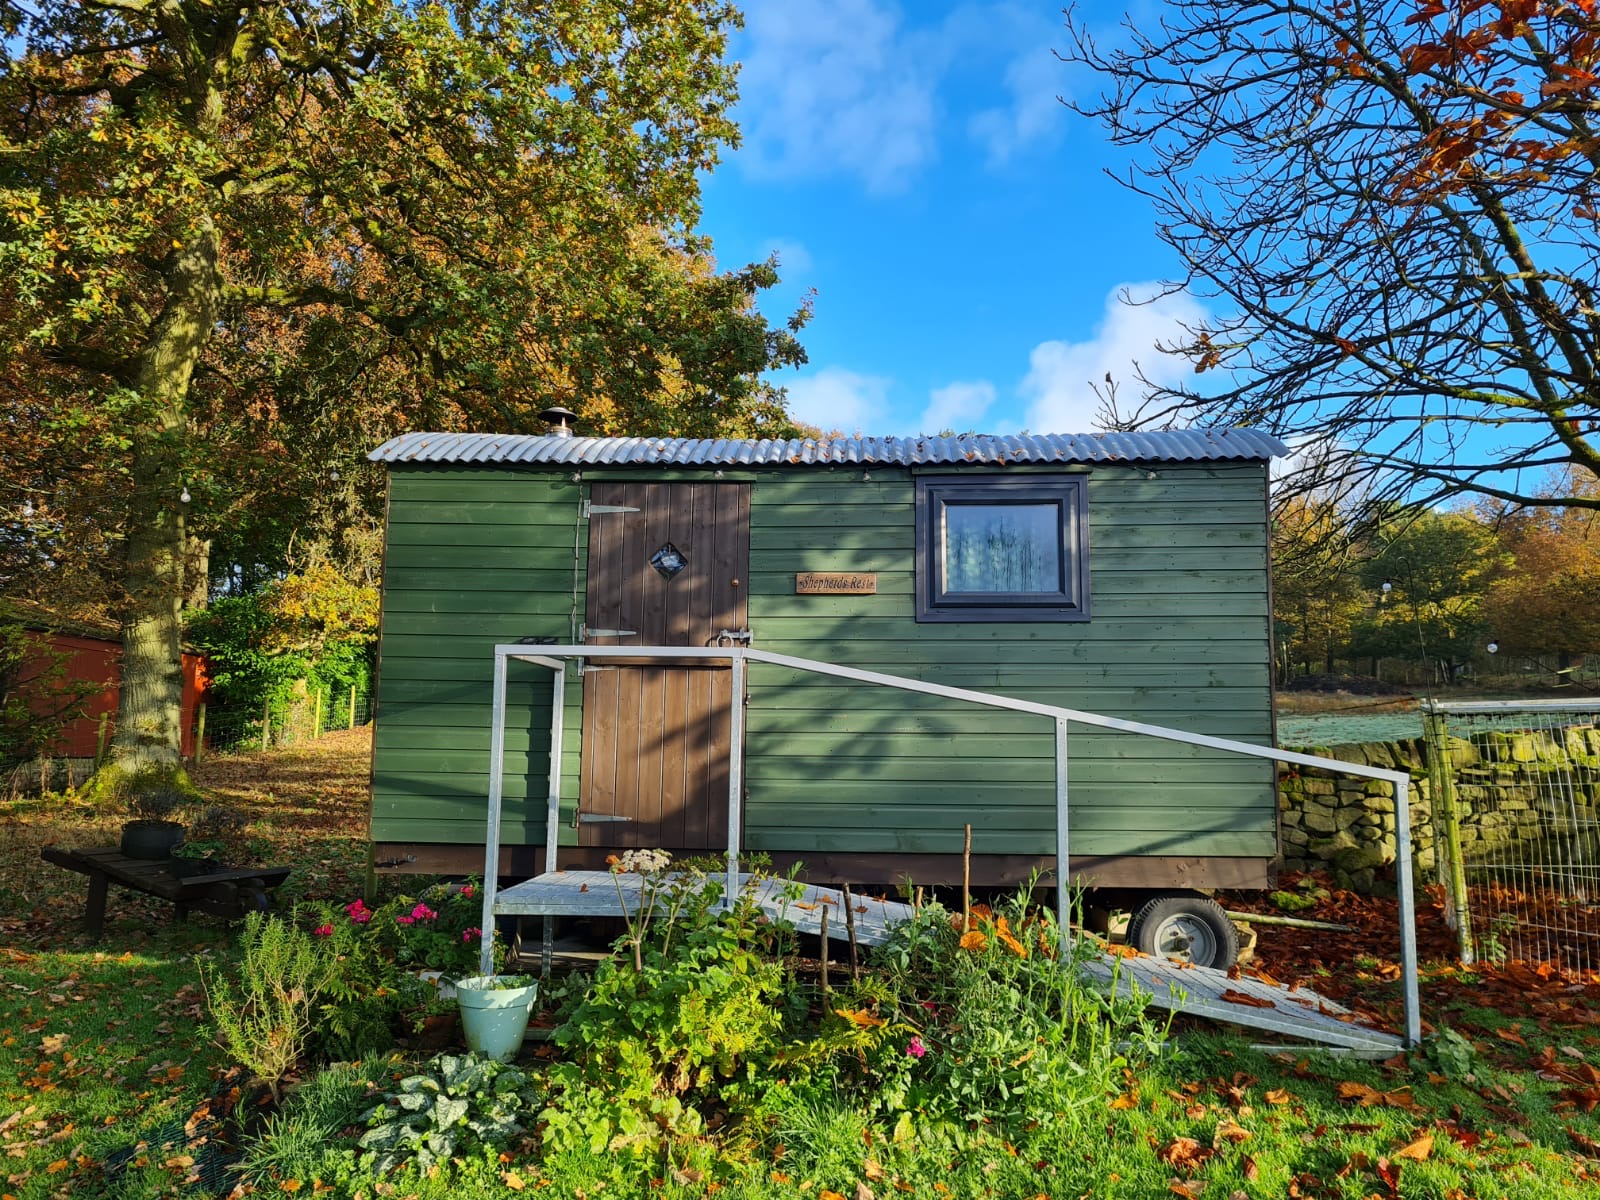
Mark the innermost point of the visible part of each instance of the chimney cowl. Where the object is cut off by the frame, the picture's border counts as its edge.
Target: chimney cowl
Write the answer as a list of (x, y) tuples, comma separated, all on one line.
[(559, 420)]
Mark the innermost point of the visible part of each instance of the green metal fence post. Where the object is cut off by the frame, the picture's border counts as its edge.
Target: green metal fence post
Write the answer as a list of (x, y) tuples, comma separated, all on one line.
[(1447, 834)]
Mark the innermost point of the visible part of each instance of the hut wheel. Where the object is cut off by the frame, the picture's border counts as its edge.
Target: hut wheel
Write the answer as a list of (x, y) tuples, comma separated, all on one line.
[(1187, 928)]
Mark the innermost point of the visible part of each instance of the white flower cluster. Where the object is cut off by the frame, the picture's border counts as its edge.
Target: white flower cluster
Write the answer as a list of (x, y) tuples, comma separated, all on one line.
[(644, 861)]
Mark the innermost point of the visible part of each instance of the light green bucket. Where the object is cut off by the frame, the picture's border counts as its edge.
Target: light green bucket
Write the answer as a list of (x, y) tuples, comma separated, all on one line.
[(494, 1013)]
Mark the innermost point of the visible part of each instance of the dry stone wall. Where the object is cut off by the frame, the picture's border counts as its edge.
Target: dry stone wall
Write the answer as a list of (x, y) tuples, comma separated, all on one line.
[(1345, 825)]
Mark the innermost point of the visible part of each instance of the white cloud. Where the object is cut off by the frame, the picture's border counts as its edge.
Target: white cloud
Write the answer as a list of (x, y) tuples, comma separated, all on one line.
[(835, 398), (957, 406), (1057, 389), (851, 87), (837, 86), (1035, 113)]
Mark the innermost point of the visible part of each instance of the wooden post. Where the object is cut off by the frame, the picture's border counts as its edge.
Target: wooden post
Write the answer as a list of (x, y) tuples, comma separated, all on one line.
[(824, 956), (966, 882), (352, 724), (102, 739), (316, 716), (850, 929), (1447, 834), (199, 732), (266, 724)]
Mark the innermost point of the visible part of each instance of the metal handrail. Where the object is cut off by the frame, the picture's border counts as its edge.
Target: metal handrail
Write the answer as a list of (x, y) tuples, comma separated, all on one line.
[(555, 658)]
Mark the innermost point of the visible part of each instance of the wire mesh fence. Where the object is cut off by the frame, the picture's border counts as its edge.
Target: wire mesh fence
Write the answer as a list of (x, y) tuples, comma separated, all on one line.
[(1523, 781), (215, 731), (230, 731)]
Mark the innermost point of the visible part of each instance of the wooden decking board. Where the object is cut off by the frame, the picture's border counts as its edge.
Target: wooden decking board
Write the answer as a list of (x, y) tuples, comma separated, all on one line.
[(1178, 987)]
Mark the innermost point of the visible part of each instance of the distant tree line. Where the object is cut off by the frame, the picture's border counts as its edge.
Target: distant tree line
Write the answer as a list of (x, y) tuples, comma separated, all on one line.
[(1421, 596)]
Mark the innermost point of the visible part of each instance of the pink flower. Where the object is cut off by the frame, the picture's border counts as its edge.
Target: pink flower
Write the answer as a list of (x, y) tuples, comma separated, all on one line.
[(358, 912), (471, 933), (467, 891), (405, 920), (422, 913), (915, 1048), (323, 930)]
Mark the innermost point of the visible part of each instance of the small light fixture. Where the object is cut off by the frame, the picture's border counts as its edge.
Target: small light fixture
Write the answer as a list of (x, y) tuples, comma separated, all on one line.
[(1387, 587), (27, 508), (1493, 647), (185, 497)]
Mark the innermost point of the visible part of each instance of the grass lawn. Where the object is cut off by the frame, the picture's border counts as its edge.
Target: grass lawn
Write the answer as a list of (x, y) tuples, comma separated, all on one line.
[(111, 1084)]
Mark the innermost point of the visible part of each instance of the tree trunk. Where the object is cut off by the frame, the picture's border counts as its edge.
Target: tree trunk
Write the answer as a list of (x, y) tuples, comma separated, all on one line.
[(197, 573), (150, 704)]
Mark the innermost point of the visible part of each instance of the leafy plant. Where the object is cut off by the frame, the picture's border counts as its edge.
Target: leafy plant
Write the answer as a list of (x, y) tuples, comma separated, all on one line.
[(263, 1016), (299, 1140), (456, 1103), (653, 1044)]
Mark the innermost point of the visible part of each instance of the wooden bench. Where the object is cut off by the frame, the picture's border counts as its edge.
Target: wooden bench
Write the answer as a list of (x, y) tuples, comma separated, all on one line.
[(228, 894)]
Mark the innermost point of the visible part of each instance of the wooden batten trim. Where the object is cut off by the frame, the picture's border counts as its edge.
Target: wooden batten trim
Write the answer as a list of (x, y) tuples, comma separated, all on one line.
[(1143, 872)]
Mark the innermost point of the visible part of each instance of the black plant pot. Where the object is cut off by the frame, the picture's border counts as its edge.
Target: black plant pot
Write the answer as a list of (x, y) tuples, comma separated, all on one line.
[(151, 840)]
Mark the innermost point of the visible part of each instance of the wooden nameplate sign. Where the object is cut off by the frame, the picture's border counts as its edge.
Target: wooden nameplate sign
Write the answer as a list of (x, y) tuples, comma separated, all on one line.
[(835, 583)]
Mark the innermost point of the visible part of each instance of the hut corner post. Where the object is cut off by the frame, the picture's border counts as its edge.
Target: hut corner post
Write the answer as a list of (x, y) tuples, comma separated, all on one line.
[(491, 848)]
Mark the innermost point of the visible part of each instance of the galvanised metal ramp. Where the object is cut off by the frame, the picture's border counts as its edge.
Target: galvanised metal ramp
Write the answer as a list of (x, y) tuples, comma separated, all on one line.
[(1174, 986), (1242, 1000)]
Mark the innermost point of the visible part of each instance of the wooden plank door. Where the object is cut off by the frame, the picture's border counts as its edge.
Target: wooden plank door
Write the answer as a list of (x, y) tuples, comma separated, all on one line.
[(669, 565)]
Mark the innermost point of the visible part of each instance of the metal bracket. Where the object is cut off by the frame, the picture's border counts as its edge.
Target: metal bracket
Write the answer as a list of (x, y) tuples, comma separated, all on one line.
[(585, 632), (590, 510), (583, 818), (728, 636)]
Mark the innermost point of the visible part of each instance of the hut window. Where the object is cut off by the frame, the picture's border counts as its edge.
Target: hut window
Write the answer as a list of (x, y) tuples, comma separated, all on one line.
[(1002, 549)]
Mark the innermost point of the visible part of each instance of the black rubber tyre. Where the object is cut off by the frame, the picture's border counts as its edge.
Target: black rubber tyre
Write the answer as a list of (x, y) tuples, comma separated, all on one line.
[(1187, 928)]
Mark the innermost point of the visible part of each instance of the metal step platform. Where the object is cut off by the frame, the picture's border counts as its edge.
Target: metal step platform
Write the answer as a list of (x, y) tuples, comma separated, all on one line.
[(1177, 987)]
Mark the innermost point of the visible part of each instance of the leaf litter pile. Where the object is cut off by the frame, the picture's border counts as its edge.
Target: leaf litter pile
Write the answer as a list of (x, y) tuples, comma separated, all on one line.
[(109, 1084)]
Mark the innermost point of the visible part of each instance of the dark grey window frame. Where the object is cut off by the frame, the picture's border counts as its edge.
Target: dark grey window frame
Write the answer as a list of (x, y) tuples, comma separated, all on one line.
[(1070, 495)]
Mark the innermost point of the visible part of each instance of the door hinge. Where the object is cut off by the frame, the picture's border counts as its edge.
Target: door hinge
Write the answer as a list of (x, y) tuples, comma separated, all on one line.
[(584, 818), (591, 509), (585, 632)]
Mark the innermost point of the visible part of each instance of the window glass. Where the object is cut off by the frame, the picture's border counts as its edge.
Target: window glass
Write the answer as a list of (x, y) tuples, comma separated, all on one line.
[(1002, 548)]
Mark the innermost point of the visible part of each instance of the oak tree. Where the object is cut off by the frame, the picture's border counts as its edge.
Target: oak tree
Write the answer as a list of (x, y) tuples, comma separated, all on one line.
[(241, 239), (1392, 207)]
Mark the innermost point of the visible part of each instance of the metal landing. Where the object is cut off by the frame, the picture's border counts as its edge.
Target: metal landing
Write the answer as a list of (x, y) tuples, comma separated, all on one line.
[(1178, 987), (595, 894)]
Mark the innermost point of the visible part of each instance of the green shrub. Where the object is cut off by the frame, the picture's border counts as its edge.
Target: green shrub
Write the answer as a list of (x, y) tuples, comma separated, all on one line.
[(263, 1015)]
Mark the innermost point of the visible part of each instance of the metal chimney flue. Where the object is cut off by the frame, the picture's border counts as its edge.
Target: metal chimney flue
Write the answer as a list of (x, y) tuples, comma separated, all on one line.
[(559, 421)]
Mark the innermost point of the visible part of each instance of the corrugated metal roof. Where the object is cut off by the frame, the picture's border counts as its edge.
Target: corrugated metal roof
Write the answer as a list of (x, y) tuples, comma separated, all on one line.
[(1179, 445)]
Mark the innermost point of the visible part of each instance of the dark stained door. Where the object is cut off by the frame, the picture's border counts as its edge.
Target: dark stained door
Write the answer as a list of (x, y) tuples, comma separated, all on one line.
[(669, 565)]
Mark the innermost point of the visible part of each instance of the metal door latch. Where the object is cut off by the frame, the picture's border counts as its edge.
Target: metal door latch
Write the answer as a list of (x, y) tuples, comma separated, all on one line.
[(728, 637)]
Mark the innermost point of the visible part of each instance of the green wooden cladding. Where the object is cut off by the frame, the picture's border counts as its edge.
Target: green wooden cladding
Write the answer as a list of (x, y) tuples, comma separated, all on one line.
[(1179, 637)]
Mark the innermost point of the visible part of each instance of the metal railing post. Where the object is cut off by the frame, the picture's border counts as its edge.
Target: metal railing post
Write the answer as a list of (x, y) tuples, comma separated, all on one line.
[(552, 816), (1063, 840), (491, 851), (1408, 929), (735, 773)]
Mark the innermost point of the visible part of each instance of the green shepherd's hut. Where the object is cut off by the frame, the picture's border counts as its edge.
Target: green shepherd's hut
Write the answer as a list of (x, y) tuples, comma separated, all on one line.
[(1119, 574)]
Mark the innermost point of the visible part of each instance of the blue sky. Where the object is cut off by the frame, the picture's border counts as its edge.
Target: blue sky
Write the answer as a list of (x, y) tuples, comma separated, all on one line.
[(911, 163)]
